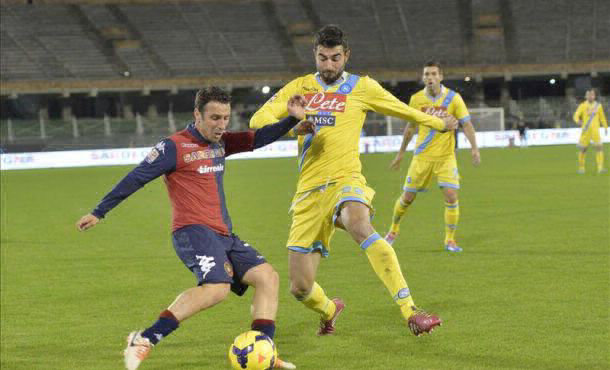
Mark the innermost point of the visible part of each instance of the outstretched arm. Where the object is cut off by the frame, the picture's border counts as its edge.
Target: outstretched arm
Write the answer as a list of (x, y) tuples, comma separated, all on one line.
[(160, 160), (382, 101), (472, 139), (276, 107), (245, 141), (406, 139), (296, 109)]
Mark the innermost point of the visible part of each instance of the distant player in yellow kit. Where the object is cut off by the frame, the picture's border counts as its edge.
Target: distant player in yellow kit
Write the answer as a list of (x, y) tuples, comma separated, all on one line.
[(331, 190), (434, 153), (589, 116)]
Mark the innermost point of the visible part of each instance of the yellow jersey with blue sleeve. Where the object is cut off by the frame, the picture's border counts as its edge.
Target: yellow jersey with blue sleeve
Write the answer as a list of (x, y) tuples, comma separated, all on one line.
[(433, 144), (339, 111), (592, 116)]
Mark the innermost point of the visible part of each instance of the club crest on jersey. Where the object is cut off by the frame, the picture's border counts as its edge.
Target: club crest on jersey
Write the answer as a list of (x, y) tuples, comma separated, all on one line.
[(435, 111), (328, 102), (322, 119)]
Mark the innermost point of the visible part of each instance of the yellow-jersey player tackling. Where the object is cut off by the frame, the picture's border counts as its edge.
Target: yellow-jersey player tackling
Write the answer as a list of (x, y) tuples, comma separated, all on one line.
[(589, 115), (331, 190), (434, 153)]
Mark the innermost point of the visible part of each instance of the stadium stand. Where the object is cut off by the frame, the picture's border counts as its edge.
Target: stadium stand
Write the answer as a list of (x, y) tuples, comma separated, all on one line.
[(81, 71)]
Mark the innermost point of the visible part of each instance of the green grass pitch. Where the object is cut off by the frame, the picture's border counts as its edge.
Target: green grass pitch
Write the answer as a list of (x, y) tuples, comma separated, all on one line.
[(531, 289)]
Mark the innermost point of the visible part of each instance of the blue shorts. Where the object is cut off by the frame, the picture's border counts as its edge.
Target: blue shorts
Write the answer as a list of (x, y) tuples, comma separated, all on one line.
[(215, 258)]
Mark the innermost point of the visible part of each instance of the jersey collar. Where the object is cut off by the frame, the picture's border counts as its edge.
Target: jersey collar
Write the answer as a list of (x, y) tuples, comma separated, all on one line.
[(339, 81), (193, 131), (434, 99)]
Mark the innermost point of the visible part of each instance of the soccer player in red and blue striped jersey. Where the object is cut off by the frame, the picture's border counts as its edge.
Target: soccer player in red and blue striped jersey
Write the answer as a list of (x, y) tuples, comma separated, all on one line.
[(192, 162)]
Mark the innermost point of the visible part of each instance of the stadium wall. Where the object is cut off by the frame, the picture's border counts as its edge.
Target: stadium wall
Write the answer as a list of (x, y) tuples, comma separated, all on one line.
[(285, 148)]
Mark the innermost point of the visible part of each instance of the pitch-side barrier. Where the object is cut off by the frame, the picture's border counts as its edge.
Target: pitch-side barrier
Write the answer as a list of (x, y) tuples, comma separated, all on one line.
[(284, 148)]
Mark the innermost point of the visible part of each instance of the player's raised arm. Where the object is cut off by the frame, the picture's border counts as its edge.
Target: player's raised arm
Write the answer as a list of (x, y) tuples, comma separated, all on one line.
[(275, 108), (245, 141), (160, 160), (296, 110), (382, 101)]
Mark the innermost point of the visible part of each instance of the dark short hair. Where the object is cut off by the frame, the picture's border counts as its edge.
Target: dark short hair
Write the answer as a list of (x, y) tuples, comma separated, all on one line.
[(208, 94), (330, 36), (592, 89), (434, 63)]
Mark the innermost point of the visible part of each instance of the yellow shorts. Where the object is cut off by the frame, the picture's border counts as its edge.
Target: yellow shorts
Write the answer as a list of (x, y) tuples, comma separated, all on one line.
[(421, 171), (589, 136), (314, 214)]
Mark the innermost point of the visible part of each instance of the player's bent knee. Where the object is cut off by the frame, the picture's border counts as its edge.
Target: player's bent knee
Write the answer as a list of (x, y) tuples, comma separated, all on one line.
[(408, 197), (216, 293), (299, 290), (361, 230), (262, 275)]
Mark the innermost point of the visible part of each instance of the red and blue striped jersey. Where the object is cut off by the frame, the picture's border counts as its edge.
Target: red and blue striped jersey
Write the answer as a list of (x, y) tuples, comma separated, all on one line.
[(193, 169)]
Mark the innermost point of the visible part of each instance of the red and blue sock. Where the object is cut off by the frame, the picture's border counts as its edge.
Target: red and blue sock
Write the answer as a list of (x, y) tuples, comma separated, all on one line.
[(166, 324), (267, 327)]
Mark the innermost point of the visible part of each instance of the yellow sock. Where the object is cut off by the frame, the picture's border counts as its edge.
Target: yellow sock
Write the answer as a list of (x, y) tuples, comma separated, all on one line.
[(382, 257), (318, 301), (599, 158), (581, 161), (400, 207), (452, 215)]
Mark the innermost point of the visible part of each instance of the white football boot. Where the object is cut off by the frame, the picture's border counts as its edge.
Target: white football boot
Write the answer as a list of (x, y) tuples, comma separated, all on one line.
[(137, 350)]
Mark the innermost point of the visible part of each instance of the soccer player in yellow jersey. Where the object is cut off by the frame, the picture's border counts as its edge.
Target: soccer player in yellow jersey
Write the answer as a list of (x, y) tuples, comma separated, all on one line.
[(331, 190), (589, 116), (434, 153)]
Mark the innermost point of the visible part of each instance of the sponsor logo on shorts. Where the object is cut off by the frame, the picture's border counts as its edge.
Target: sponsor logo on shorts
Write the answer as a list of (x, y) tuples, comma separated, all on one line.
[(322, 120), (208, 169), (229, 269), (206, 264)]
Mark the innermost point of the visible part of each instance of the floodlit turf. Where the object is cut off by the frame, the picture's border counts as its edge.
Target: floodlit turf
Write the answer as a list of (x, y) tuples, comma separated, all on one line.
[(531, 289)]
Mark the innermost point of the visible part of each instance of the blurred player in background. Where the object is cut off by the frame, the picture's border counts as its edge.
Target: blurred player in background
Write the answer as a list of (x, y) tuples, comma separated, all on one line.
[(589, 115), (522, 128), (434, 153), (331, 190), (192, 162)]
